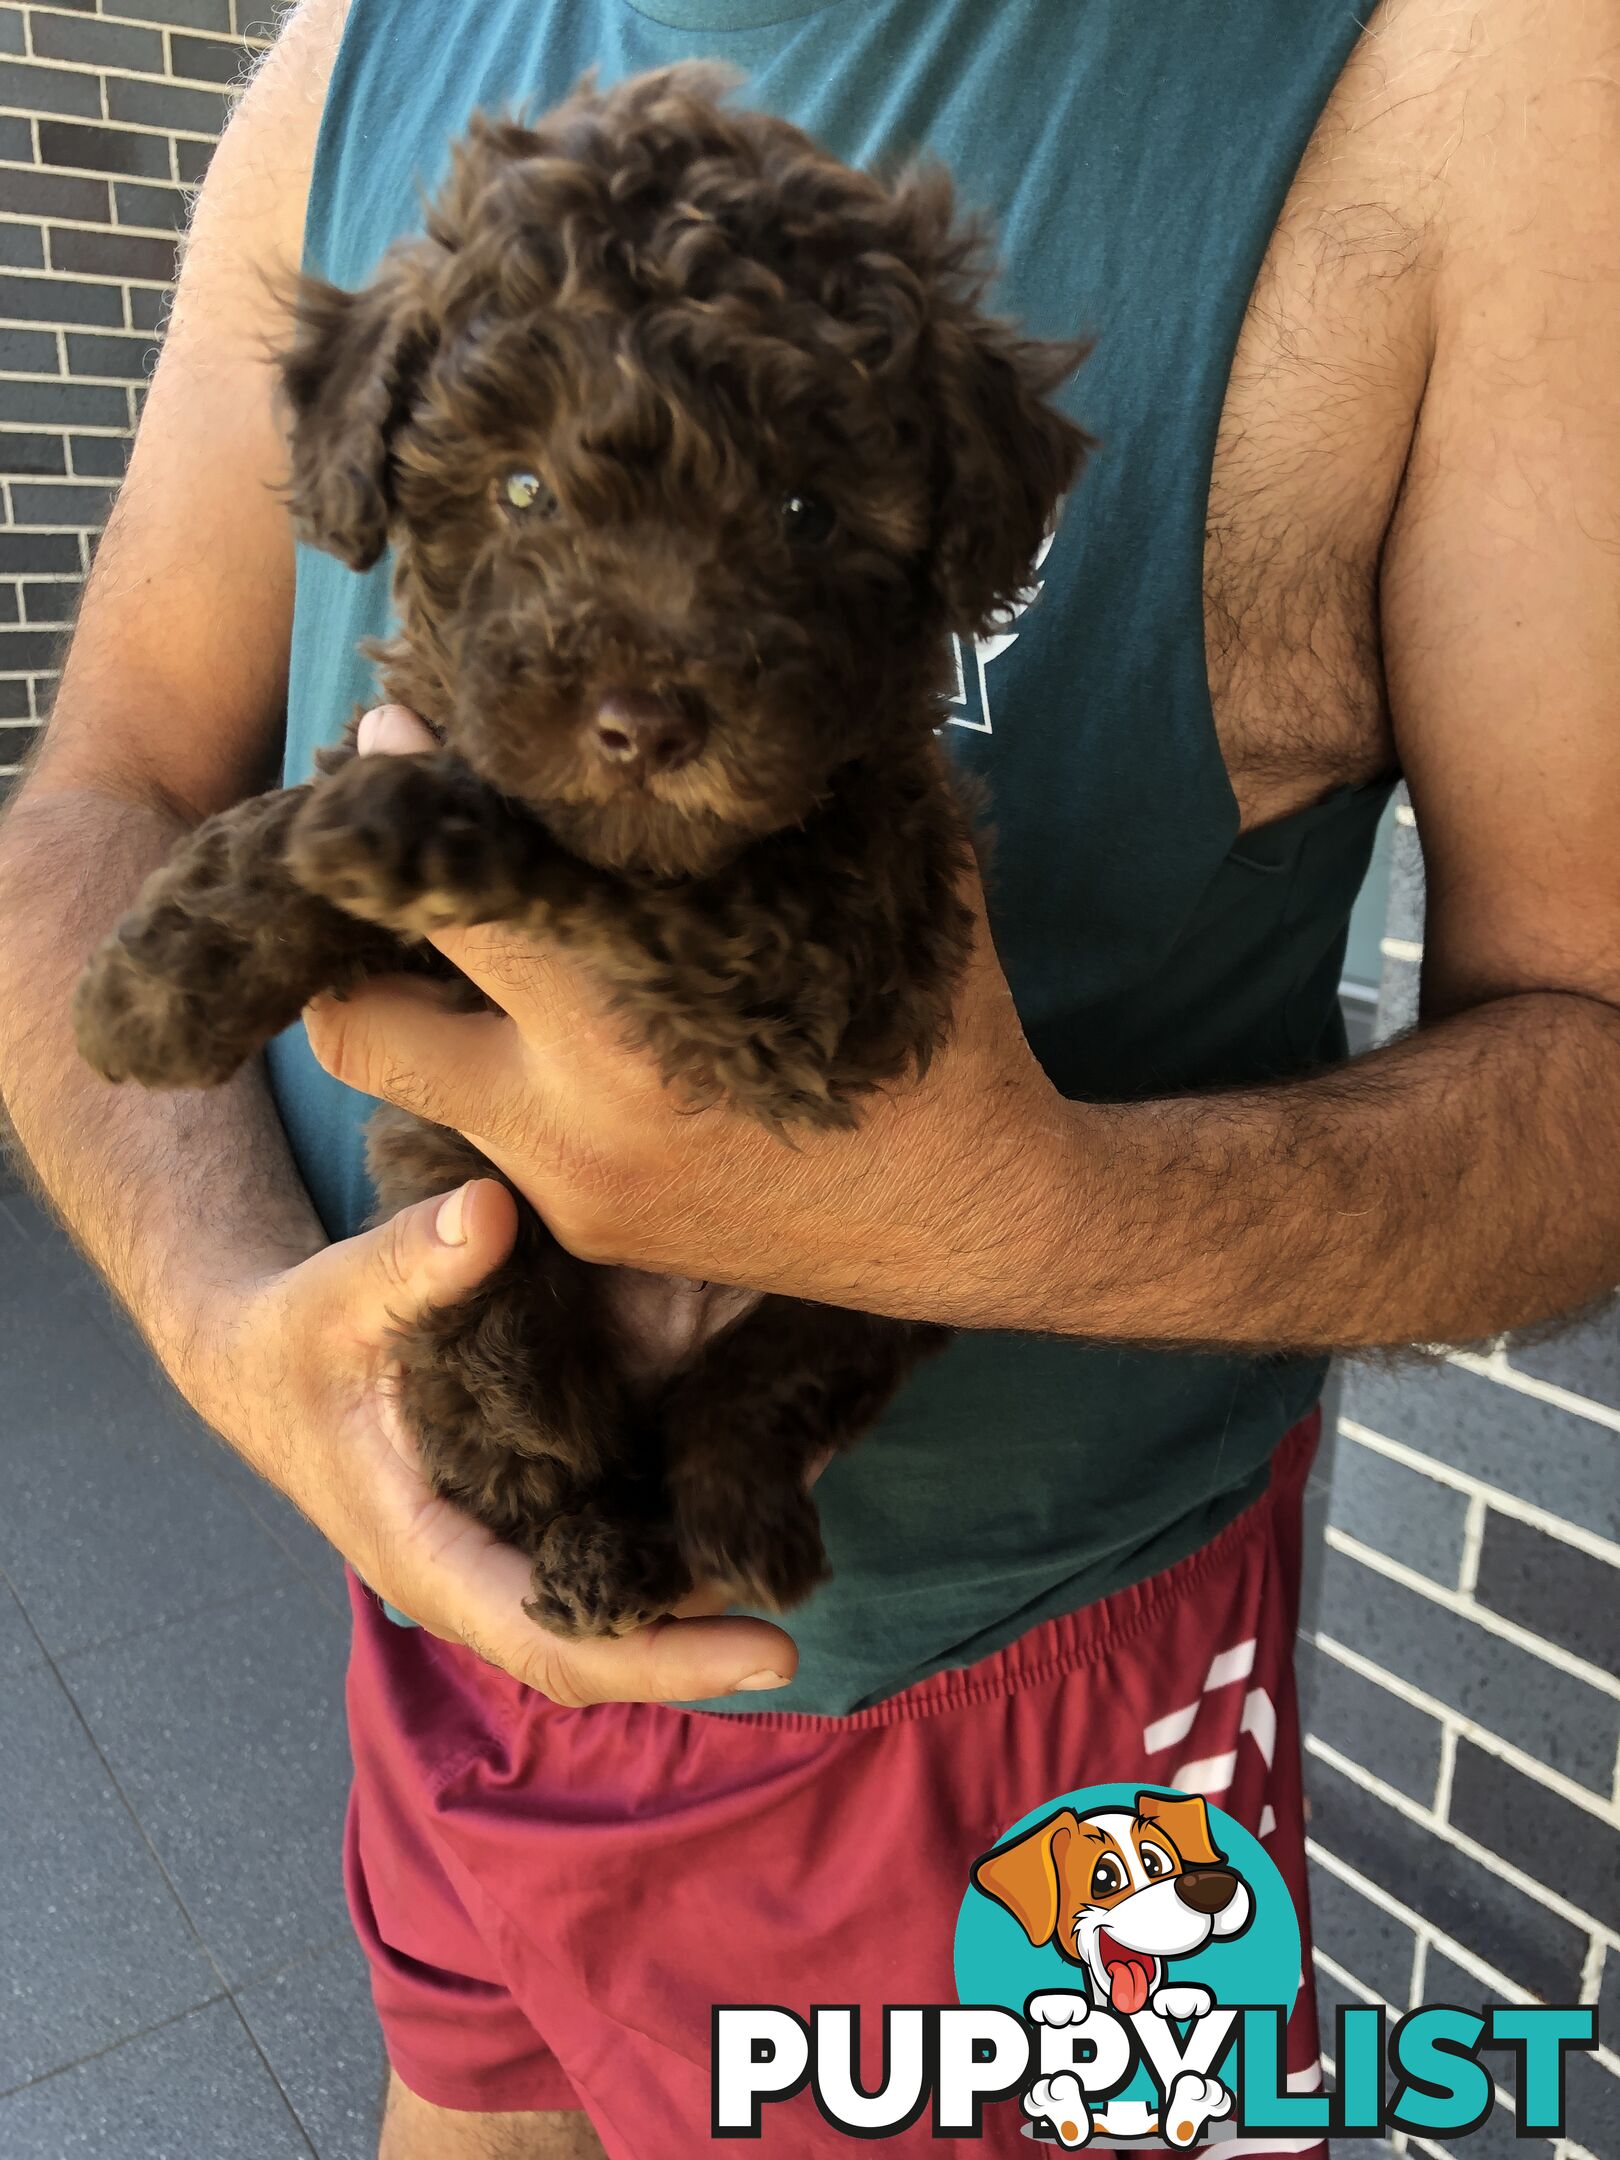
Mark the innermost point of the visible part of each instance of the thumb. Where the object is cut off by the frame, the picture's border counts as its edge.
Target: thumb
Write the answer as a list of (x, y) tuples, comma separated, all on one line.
[(426, 1255)]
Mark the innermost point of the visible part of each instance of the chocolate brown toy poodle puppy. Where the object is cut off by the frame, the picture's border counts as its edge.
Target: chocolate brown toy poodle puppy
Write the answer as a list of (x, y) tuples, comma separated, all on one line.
[(693, 447)]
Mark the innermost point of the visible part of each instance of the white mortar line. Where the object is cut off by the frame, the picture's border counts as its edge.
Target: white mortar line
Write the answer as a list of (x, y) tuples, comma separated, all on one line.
[(1506, 1375), (1447, 1772), (103, 280), (1494, 1862), (1340, 1978), (1489, 1743), (104, 227), (63, 428), (137, 22), (1376, 1894), (1473, 1540), (1504, 1502), (1420, 1961), (105, 119), (1465, 1608), (105, 71)]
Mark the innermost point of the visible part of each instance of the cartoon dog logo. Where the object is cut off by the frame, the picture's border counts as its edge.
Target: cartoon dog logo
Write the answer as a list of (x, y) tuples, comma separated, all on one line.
[(1119, 1892)]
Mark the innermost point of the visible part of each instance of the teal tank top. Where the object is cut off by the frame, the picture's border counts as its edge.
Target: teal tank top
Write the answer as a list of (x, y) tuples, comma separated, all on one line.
[(1134, 159)]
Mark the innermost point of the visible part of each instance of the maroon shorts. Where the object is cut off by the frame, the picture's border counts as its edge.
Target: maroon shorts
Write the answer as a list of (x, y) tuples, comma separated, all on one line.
[(553, 1901)]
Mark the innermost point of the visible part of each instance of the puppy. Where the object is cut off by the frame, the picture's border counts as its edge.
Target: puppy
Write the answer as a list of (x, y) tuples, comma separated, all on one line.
[(693, 446)]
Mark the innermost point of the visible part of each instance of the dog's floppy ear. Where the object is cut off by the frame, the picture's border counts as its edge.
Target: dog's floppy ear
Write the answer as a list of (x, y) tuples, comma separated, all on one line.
[(347, 379), (1007, 457), (1185, 1823), (1023, 1876)]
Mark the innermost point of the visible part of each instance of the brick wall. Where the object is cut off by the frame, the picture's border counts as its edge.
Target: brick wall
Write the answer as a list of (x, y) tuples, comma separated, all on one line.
[(1465, 1710), (107, 117)]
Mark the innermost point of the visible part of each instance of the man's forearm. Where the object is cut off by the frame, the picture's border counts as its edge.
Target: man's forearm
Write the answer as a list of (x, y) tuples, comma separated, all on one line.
[(173, 1197), (1445, 1189)]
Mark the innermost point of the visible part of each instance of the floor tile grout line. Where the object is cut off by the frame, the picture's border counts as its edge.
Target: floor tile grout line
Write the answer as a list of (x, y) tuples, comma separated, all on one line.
[(141, 1829), (227, 1992), (270, 2071), (91, 1297), (181, 1619), (124, 2040), (184, 1909)]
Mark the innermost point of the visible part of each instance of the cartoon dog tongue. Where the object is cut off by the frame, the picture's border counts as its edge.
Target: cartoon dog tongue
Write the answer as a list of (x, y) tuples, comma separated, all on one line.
[(1130, 1975)]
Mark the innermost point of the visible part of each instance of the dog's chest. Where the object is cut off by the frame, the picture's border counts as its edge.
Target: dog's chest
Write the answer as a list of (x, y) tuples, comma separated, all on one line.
[(658, 1321), (1314, 436)]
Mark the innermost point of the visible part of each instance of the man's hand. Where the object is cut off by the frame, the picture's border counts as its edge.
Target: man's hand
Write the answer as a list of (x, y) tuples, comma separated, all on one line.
[(1400, 1199), (964, 1163), (298, 1376)]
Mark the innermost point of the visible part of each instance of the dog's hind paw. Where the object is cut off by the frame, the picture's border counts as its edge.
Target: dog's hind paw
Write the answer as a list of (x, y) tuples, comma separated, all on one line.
[(136, 1019), (597, 1574), (1061, 2101), (1191, 2105)]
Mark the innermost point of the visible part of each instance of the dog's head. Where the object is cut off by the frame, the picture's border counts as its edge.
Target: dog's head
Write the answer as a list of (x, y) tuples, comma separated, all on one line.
[(693, 444), (1118, 1891)]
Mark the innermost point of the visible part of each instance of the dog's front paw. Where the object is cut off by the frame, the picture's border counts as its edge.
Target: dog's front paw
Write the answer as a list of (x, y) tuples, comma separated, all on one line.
[(415, 843), (1061, 2101), (601, 1575), (1182, 2001), (163, 1020), (760, 1539), (1191, 2105)]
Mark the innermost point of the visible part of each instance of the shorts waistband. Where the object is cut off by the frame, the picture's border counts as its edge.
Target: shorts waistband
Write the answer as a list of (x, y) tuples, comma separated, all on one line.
[(1070, 1640)]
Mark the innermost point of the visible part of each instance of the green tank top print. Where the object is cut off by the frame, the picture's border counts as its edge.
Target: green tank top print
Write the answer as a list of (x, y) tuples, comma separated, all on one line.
[(1134, 159)]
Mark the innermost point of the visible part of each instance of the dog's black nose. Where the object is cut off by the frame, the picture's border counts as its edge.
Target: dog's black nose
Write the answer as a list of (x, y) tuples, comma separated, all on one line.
[(1207, 1890), (640, 735)]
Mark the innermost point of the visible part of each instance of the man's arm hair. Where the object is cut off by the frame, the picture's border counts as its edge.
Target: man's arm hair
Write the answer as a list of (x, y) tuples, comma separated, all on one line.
[(1464, 1181), (169, 708)]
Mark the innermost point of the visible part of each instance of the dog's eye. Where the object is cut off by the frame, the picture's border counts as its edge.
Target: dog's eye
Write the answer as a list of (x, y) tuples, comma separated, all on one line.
[(1107, 1877), (526, 491), (806, 519), (1155, 1863)]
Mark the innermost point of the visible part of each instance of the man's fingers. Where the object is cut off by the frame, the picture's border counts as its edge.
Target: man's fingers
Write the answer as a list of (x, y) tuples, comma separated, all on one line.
[(393, 731), (398, 1038), (670, 1661), (478, 1588), (431, 1254)]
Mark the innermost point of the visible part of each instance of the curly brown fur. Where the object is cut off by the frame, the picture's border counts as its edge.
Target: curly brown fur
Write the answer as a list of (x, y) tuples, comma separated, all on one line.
[(693, 447)]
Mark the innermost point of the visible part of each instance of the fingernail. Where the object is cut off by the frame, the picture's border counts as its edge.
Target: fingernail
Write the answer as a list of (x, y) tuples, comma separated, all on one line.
[(365, 735), (450, 1224), (758, 1681)]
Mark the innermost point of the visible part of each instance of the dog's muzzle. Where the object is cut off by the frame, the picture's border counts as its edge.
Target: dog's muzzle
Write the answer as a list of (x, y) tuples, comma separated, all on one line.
[(1207, 1890)]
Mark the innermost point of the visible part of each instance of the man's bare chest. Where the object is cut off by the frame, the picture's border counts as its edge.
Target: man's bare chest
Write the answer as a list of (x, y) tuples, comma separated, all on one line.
[(1318, 420)]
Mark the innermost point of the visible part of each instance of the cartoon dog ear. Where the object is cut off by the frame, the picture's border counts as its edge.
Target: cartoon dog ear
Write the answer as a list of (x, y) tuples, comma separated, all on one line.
[(1185, 1823), (347, 379), (1023, 1876)]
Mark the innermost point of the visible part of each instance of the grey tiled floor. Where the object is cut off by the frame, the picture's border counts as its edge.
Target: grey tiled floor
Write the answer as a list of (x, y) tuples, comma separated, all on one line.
[(179, 1979)]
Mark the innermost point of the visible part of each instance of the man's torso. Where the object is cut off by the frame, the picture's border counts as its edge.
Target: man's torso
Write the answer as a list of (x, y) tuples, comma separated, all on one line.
[(1146, 950)]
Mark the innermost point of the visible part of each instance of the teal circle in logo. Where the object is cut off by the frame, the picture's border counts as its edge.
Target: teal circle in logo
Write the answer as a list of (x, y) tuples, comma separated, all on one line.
[(996, 1961)]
